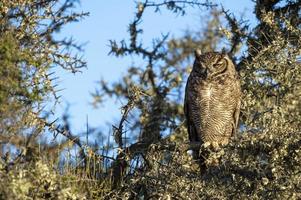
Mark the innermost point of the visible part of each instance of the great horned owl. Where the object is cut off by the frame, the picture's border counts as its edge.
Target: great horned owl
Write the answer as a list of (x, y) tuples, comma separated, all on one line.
[(212, 100)]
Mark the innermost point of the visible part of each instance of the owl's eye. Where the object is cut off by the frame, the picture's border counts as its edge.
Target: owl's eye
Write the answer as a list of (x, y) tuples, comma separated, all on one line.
[(218, 64)]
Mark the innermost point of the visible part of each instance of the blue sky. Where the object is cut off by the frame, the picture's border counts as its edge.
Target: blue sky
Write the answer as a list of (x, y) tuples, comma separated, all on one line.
[(109, 20)]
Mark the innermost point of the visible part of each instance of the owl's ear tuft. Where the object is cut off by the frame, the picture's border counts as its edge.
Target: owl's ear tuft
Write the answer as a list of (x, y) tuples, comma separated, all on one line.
[(197, 52)]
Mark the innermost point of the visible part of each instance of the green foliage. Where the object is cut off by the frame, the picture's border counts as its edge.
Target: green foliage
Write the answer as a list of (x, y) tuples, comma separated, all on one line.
[(10, 81), (29, 53), (37, 180), (271, 75), (251, 167), (29, 56)]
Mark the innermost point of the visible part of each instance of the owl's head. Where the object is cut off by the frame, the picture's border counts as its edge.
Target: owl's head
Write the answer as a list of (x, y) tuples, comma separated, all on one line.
[(212, 64)]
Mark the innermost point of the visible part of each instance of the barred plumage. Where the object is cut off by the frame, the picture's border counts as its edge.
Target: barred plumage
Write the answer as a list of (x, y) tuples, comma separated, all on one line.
[(212, 99)]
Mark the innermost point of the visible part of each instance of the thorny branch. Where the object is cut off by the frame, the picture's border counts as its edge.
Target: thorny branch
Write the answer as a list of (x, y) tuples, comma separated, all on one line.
[(31, 25), (134, 97), (264, 31), (237, 29), (65, 131), (175, 7)]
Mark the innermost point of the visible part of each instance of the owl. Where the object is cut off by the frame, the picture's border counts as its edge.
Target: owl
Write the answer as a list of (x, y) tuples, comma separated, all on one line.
[(212, 101)]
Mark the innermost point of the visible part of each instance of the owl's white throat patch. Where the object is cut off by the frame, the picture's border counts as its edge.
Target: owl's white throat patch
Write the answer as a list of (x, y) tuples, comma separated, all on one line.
[(208, 90)]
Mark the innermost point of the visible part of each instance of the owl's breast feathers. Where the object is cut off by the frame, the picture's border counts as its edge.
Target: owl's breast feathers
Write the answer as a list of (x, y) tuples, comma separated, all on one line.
[(212, 108)]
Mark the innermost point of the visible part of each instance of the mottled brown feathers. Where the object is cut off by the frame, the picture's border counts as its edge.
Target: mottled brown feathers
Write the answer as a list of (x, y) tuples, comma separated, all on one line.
[(212, 99)]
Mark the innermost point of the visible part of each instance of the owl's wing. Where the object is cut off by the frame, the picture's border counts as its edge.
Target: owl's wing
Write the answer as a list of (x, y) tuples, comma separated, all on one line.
[(236, 117), (192, 133)]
